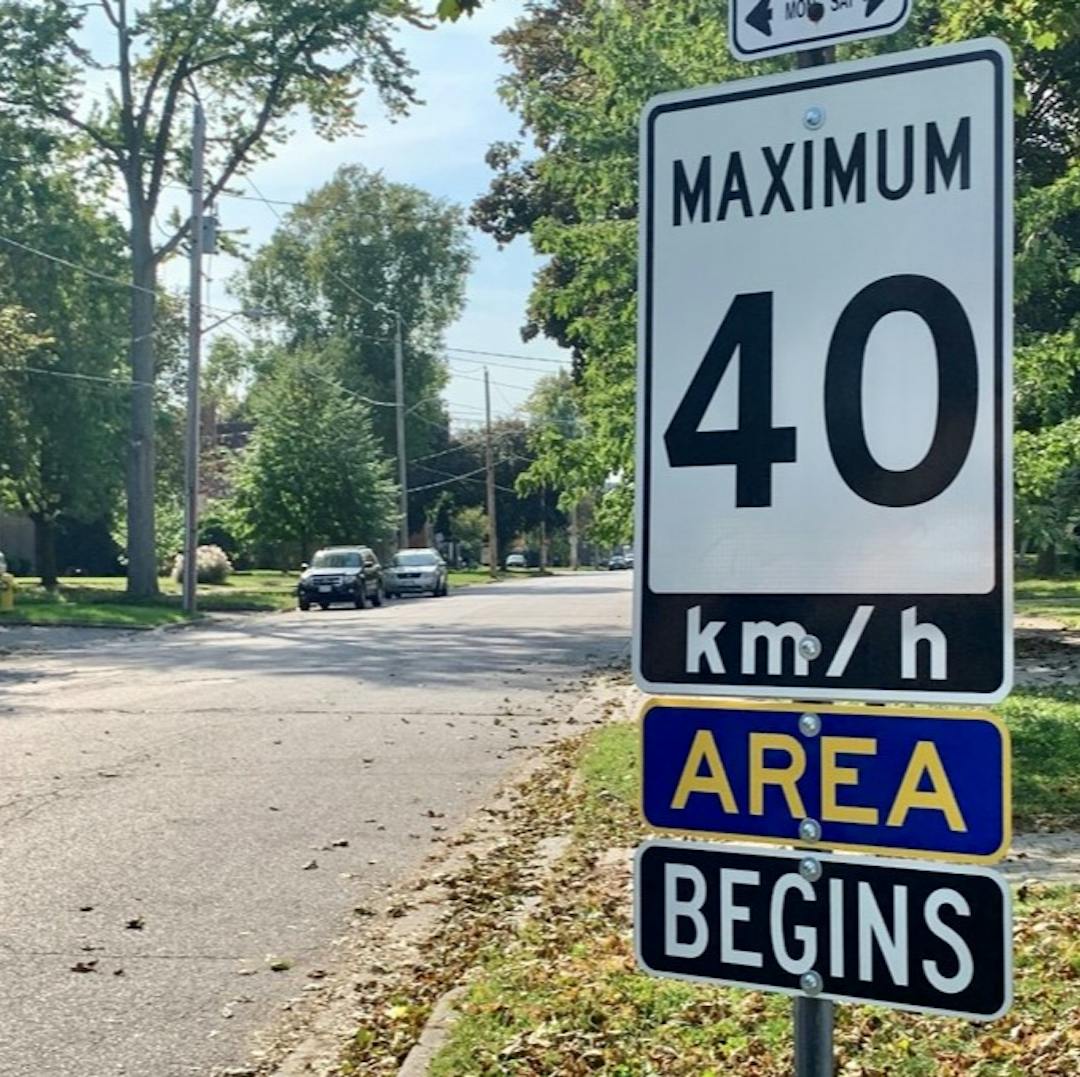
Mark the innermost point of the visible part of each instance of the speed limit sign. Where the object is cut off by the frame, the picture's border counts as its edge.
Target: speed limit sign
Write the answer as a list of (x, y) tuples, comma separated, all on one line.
[(824, 383)]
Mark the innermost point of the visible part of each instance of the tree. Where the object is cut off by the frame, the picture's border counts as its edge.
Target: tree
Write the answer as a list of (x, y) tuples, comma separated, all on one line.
[(356, 255), (313, 473), (560, 463), (71, 405), (581, 70), (19, 342), (255, 63)]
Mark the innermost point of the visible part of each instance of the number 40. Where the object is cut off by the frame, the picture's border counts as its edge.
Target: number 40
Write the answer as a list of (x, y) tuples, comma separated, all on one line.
[(756, 445)]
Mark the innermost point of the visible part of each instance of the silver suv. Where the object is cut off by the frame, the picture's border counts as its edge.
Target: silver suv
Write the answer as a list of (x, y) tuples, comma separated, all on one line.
[(415, 572)]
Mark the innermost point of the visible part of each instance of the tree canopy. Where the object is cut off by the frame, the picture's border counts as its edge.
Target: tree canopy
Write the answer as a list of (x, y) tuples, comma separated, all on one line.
[(344, 265), (252, 65), (313, 473), (580, 72), (67, 458)]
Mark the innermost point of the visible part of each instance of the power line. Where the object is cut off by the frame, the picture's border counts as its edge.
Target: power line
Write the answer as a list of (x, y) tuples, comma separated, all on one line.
[(507, 355), (73, 265), (341, 280), (41, 371), (446, 482)]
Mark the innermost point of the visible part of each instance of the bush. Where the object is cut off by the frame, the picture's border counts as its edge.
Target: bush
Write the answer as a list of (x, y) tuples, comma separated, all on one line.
[(211, 565)]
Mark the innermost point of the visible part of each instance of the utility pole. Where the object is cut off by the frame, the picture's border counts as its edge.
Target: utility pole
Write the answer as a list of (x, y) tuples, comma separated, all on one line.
[(399, 391), (191, 448), (493, 541)]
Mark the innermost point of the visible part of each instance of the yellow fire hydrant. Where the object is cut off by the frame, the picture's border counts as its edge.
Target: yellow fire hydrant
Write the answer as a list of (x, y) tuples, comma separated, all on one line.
[(7, 586)]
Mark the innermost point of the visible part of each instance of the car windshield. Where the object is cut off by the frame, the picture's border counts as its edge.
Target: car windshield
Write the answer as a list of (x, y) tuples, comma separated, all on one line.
[(336, 559), (415, 557)]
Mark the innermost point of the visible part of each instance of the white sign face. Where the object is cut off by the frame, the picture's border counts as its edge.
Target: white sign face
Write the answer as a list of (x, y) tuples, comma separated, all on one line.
[(824, 382), (759, 28)]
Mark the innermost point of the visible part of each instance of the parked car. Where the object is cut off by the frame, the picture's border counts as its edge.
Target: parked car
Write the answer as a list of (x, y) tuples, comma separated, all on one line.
[(341, 574), (620, 561), (416, 572), (516, 560)]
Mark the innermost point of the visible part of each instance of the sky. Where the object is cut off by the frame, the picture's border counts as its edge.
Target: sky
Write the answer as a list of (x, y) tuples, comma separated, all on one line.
[(440, 148)]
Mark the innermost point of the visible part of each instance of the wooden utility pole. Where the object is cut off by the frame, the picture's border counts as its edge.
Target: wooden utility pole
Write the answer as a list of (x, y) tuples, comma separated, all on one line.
[(493, 541), (399, 396)]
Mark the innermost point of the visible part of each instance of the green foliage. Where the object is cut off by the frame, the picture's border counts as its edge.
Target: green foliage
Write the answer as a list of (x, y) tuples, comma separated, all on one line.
[(1047, 471), (581, 70), (470, 528), (314, 472), (356, 254), (62, 444), (257, 63)]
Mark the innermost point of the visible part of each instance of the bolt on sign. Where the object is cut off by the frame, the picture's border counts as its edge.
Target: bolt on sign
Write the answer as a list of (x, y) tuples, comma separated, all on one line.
[(760, 28), (860, 779), (910, 935), (824, 383)]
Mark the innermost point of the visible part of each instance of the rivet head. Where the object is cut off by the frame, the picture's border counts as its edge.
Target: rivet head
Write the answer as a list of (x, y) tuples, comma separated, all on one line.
[(810, 830), (810, 869), (814, 118), (811, 983), (809, 647), (809, 725)]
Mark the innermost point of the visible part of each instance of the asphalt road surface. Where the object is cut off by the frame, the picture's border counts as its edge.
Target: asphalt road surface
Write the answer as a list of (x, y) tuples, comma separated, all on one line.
[(163, 796)]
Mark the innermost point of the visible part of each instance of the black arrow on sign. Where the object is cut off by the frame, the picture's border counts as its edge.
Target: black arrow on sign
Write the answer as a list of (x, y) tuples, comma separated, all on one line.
[(761, 16), (872, 6)]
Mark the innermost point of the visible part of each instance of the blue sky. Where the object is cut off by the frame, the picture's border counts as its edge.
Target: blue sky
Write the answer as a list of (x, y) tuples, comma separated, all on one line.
[(440, 148)]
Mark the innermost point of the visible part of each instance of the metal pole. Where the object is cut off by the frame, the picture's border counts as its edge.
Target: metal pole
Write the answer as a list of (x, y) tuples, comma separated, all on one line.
[(191, 448), (399, 391), (813, 1017), (493, 539), (813, 1038)]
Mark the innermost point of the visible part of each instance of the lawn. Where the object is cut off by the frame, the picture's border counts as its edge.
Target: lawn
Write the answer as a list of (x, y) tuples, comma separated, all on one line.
[(1057, 599), (101, 600), (562, 995)]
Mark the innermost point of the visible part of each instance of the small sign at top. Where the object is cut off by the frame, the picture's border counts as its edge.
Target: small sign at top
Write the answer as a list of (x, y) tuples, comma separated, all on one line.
[(761, 28)]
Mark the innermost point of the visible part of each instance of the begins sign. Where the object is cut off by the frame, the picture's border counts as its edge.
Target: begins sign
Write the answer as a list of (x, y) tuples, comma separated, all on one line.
[(824, 389), (864, 779), (912, 936)]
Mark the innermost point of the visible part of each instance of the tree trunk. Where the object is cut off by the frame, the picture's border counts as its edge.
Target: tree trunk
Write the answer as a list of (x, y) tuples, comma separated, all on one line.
[(141, 547), (45, 549), (1046, 564)]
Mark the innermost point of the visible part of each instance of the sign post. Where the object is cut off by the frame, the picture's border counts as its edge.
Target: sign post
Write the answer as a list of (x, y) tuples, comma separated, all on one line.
[(824, 513)]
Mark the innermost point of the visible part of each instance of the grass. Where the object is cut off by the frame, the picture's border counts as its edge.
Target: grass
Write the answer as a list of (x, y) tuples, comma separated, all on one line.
[(1057, 599), (563, 995), (100, 601), (1045, 727)]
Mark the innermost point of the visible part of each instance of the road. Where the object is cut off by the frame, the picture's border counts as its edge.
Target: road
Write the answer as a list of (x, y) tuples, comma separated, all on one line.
[(163, 797)]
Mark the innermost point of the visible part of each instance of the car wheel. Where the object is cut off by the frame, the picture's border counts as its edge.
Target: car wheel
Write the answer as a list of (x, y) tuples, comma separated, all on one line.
[(324, 605), (304, 605), (376, 599)]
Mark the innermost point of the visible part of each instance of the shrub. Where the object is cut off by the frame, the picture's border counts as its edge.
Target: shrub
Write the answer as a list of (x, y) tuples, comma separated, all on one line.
[(211, 565)]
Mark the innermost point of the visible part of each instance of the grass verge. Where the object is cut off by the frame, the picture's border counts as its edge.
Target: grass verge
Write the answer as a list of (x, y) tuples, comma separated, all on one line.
[(101, 600), (1057, 599), (563, 996)]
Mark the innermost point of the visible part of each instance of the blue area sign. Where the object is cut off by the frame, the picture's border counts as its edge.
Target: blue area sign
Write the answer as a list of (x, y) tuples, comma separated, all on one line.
[(862, 779)]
